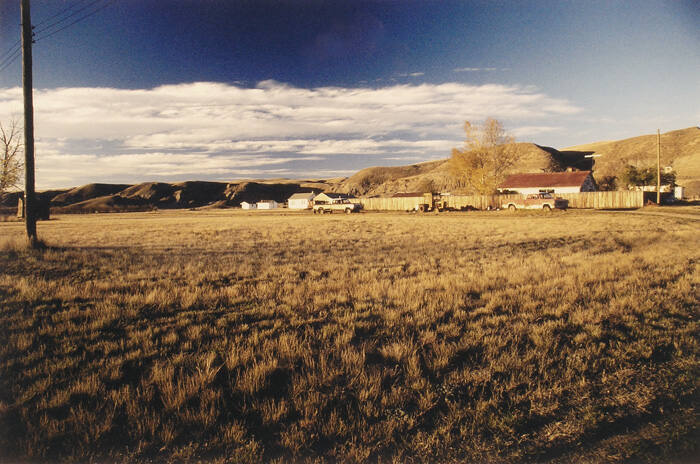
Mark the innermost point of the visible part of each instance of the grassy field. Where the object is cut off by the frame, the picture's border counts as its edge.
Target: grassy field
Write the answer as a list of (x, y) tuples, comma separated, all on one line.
[(463, 337)]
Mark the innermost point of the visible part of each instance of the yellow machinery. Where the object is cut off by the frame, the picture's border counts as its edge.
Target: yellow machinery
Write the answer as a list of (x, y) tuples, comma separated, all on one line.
[(433, 202)]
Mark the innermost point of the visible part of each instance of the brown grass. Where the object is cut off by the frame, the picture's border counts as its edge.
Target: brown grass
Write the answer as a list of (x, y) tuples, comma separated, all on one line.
[(220, 336)]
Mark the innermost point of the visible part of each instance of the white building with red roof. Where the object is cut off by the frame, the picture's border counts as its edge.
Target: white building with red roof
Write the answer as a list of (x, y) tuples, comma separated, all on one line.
[(552, 182)]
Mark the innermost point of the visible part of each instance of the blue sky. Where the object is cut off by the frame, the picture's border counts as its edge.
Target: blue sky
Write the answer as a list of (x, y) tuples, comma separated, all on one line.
[(173, 90)]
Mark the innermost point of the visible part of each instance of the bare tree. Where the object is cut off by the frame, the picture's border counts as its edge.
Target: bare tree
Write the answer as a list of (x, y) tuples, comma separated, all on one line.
[(11, 163), (488, 153)]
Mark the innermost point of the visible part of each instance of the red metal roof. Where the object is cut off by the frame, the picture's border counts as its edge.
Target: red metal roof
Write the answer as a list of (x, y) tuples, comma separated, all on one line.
[(545, 179)]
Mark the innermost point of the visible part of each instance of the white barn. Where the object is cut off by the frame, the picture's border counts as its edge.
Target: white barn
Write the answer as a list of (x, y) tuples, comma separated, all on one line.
[(553, 182), (267, 204), (246, 205), (301, 200)]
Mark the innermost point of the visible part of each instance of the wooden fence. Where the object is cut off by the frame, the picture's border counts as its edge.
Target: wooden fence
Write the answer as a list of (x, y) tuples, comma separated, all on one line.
[(623, 199), (390, 203), (593, 200)]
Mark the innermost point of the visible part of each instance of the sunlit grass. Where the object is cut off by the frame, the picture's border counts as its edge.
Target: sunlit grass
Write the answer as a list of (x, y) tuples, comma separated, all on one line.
[(391, 337)]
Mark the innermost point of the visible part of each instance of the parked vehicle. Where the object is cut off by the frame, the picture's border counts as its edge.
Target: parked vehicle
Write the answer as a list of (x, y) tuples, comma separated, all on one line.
[(543, 201), (432, 202), (342, 205)]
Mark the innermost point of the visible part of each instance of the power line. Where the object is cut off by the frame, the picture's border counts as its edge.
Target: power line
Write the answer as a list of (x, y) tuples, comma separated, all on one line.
[(56, 23), (14, 52), (10, 51), (9, 60), (60, 13), (70, 9), (76, 21), (14, 49)]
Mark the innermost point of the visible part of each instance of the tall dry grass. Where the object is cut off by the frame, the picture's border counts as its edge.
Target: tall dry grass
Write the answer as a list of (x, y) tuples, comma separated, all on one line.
[(238, 337)]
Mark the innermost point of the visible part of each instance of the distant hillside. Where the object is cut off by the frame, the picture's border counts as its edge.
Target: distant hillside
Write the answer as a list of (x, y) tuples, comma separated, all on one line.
[(381, 180), (435, 175), (680, 149), (150, 195), (86, 192)]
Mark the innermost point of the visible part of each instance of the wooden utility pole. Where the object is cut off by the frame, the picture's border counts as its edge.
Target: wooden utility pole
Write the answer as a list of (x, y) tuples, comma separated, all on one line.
[(658, 167), (29, 193)]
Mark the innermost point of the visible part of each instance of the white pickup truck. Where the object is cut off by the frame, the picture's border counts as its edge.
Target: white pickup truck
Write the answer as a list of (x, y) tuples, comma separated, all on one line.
[(543, 201), (343, 205)]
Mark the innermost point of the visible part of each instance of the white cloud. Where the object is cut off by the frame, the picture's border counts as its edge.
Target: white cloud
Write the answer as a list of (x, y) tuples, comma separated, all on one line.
[(209, 129), (458, 70), (530, 131), (57, 168)]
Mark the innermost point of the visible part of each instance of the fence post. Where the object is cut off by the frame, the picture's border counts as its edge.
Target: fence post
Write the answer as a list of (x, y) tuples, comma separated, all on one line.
[(20, 207)]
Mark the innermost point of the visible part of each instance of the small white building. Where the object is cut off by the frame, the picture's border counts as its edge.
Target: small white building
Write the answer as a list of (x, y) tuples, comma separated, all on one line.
[(552, 182), (329, 198), (301, 200), (679, 192), (246, 205), (267, 204)]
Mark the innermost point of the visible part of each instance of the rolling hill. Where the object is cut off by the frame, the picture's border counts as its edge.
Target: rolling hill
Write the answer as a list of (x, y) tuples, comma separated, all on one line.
[(150, 195), (680, 150), (435, 175)]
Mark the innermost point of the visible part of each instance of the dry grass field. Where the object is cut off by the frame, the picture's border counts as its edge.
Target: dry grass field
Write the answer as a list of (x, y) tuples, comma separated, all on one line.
[(222, 336)]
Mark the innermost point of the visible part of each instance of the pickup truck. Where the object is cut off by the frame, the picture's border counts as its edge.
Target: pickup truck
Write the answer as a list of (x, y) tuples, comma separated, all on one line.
[(543, 201), (344, 205)]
